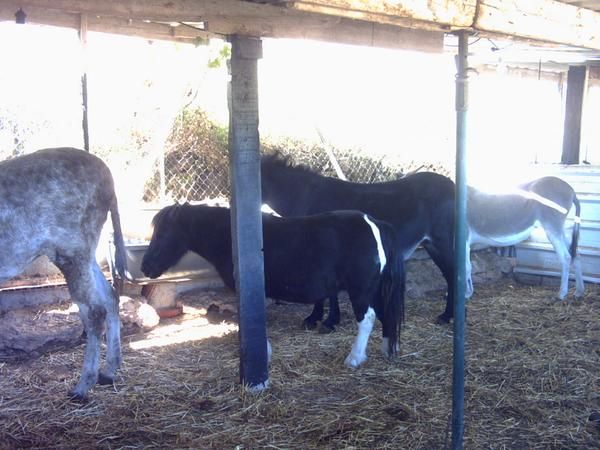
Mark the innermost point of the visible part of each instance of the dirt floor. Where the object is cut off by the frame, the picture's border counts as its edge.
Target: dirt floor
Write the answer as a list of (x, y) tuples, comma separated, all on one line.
[(533, 380)]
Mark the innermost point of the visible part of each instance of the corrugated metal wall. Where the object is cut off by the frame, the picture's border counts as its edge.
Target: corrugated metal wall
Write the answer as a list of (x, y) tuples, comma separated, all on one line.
[(536, 255)]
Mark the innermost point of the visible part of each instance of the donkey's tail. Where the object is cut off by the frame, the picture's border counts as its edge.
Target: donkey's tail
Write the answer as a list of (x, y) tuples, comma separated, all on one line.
[(120, 263), (577, 220), (392, 290)]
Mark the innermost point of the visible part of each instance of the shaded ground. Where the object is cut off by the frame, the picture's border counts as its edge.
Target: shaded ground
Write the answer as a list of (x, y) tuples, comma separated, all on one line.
[(533, 379)]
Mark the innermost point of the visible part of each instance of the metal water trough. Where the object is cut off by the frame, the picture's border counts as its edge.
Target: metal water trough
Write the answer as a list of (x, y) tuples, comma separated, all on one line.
[(190, 268), (135, 223)]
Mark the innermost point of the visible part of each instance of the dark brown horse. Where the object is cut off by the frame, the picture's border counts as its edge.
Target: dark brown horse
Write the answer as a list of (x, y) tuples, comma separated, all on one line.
[(420, 207)]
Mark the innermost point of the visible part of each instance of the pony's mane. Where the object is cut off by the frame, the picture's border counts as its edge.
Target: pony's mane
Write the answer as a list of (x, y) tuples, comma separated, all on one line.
[(167, 214), (279, 161)]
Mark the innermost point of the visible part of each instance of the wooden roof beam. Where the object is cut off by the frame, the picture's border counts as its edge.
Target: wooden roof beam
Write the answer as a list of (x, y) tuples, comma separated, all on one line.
[(544, 20), (357, 20), (225, 17), (540, 20), (115, 25)]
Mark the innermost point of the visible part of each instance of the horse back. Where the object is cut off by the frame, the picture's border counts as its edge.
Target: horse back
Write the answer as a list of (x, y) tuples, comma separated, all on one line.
[(417, 205), (313, 257)]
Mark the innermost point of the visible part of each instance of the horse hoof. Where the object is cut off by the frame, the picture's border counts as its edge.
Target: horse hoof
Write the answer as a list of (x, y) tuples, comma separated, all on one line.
[(77, 397), (105, 379), (354, 361), (391, 355), (326, 329), (390, 352), (442, 319), (309, 324)]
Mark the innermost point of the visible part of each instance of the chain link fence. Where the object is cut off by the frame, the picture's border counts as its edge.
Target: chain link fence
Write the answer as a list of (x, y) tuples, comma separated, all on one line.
[(195, 164), (356, 165)]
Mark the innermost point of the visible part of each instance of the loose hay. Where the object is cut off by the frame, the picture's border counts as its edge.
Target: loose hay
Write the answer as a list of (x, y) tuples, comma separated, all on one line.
[(533, 379)]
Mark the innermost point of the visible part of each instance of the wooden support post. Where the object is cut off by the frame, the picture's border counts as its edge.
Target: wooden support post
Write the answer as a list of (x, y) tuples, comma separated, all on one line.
[(84, 90), (576, 87), (246, 218)]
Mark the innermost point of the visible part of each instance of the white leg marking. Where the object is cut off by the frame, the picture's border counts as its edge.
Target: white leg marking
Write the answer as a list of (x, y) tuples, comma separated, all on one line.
[(358, 354), (380, 252), (468, 273), (267, 209), (269, 351)]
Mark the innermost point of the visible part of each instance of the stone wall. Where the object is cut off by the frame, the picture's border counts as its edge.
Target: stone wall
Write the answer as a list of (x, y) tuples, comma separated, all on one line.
[(424, 279)]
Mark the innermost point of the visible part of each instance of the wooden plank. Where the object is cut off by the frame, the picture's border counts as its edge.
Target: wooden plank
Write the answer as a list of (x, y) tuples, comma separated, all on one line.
[(223, 18), (524, 72), (544, 20), (181, 10), (154, 10), (115, 25), (576, 88), (340, 30), (246, 217), (589, 4), (356, 21), (444, 14)]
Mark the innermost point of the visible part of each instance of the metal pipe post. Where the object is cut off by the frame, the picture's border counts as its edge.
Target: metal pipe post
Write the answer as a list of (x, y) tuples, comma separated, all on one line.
[(460, 234)]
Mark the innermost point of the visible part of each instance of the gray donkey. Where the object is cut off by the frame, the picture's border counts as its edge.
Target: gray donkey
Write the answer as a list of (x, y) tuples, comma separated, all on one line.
[(54, 202), (507, 219)]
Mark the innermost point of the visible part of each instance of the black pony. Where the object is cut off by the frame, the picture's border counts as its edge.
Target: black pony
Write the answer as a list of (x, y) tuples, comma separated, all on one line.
[(306, 259), (419, 206)]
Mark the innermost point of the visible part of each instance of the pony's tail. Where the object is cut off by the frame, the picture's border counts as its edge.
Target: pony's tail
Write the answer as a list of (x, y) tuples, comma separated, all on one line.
[(392, 290), (577, 219), (120, 263)]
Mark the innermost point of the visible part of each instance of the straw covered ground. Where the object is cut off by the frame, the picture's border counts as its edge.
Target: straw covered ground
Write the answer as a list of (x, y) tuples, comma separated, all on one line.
[(533, 379)]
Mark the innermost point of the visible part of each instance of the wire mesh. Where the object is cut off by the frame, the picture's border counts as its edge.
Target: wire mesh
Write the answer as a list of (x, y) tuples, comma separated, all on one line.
[(195, 163), (196, 173)]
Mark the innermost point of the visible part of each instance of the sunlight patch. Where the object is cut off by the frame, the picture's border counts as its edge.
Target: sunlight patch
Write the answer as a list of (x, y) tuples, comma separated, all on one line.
[(189, 331)]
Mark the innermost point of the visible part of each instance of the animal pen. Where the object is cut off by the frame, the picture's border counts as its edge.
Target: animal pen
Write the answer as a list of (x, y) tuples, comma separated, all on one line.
[(179, 384)]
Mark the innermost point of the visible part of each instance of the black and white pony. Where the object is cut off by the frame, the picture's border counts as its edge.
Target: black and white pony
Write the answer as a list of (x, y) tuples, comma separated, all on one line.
[(54, 202), (420, 207), (305, 260), (509, 218)]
